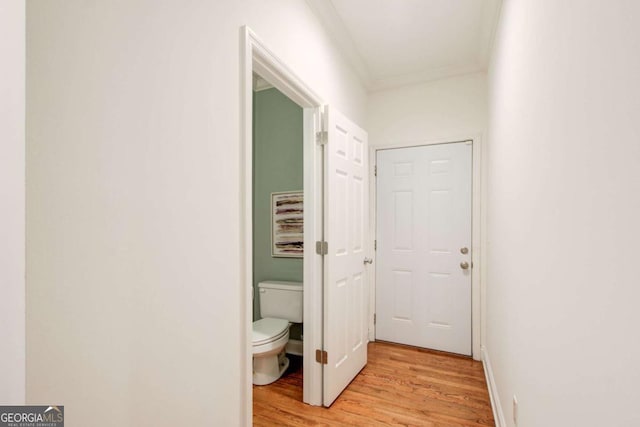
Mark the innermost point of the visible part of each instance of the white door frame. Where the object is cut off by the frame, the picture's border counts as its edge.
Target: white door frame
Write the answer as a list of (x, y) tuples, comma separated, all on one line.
[(256, 57), (477, 225)]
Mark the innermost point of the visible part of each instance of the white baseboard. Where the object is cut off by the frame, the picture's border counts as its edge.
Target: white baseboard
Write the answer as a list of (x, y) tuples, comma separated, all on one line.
[(294, 347), (498, 415)]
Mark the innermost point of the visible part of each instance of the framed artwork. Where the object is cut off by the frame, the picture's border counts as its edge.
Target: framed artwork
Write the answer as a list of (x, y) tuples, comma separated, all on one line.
[(287, 224)]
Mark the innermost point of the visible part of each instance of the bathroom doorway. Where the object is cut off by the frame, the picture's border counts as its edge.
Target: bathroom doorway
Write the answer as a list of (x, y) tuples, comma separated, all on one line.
[(271, 71), (278, 196), (280, 154), (337, 248)]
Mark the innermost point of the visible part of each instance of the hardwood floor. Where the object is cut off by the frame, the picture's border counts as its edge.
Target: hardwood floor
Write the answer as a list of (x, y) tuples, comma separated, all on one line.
[(401, 386)]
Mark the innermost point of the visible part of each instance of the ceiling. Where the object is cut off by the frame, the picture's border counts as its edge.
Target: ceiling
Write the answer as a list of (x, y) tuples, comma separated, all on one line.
[(397, 42)]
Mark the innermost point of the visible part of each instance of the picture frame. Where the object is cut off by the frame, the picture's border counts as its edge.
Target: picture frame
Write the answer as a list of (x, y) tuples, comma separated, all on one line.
[(287, 224)]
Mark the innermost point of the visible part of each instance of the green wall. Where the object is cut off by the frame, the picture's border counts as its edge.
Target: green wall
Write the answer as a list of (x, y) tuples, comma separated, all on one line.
[(277, 166)]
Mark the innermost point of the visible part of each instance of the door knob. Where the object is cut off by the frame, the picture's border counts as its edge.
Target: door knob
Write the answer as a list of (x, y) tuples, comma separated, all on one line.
[(464, 265), (464, 250), (368, 261)]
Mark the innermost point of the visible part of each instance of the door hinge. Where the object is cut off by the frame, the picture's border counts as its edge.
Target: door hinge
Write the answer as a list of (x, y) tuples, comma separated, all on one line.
[(322, 357), (374, 318), (322, 137), (375, 170), (322, 247), (375, 245)]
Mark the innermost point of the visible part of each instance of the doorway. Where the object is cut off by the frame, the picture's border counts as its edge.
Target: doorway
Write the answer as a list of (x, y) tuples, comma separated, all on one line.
[(427, 221), (334, 273), (277, 178), (258, 59)]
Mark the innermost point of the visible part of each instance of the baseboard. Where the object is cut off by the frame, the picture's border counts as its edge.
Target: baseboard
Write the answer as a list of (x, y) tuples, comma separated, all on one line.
[(498, 415), (294, 347)]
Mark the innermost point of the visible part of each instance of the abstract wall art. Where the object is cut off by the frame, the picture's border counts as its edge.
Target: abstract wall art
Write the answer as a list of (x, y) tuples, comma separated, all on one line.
[(287, 224)]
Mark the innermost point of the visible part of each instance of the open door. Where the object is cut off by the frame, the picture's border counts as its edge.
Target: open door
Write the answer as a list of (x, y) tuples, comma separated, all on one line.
[(346, 227)]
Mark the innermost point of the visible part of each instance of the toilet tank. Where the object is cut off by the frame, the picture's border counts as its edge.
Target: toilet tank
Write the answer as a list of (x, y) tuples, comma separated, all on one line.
[(281, 300)]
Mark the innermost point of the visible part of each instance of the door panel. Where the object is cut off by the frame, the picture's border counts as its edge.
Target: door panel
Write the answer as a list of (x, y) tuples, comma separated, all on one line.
[(345, 314), (423, 295)]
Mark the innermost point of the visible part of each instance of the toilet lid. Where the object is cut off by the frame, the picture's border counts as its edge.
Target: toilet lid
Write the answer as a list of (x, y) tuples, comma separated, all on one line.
[(268, 329)]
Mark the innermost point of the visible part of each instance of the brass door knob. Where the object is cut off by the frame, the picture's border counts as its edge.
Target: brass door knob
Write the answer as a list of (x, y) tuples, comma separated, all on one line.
[(464, 265)]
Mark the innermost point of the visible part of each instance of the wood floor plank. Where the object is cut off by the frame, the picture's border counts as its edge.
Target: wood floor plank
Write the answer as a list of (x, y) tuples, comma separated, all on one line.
[(400, 386)]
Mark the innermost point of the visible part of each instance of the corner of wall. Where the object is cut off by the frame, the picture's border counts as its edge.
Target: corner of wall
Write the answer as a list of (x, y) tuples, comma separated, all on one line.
[(12, 213), (496, 406)]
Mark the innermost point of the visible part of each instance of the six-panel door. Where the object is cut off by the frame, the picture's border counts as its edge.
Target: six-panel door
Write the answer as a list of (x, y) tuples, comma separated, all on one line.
[(423, 271)]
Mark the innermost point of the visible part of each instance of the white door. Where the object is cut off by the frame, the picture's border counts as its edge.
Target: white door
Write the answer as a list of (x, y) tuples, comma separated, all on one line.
[(345, 291), (423, 272)]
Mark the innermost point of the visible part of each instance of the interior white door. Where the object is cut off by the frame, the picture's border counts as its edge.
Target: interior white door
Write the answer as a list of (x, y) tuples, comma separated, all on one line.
[(423, 272), (345, 291)]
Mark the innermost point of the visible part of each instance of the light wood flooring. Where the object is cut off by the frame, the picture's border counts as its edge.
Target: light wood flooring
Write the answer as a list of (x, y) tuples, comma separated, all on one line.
[(400, 386)]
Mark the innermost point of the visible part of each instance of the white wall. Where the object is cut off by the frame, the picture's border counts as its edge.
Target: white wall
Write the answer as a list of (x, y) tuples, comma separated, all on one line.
[(12, 194), (453, 107), (564, 203), (133, 193)]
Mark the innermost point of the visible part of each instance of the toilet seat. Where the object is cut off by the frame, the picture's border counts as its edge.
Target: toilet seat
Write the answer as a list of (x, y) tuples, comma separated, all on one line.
[(270, 337), (268, 330)]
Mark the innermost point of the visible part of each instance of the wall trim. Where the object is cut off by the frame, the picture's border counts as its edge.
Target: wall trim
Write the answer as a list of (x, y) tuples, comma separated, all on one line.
[(422, 77), (256, 57), (295, 347), (260, 84), (488, 54), (498, 414), (338, 32)]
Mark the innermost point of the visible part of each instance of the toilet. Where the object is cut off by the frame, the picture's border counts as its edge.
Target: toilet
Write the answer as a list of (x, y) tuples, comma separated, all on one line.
[(280, 305)]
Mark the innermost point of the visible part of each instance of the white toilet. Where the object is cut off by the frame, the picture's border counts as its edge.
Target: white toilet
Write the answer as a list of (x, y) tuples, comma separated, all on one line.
[(280, 305)]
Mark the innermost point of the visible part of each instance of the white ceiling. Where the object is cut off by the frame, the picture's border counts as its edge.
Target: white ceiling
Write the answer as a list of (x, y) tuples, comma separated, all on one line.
[(396, 42)]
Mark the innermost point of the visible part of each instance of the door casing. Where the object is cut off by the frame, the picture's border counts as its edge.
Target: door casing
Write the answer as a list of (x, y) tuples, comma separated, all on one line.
[(257, 57), (477, 226)]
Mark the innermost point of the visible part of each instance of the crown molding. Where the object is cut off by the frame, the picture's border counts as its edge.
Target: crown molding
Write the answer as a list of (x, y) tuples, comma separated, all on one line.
[(338, 32), (393, 82), (489, 27), (260, 84)]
